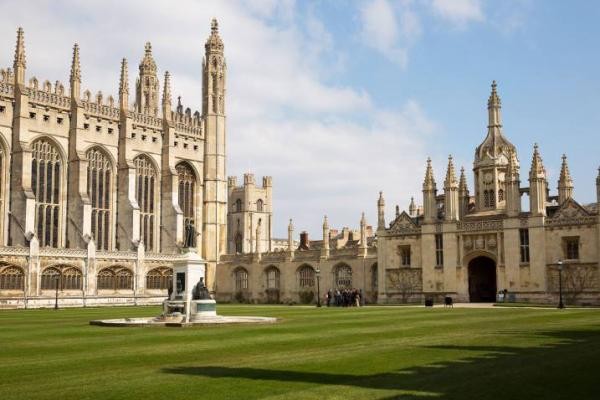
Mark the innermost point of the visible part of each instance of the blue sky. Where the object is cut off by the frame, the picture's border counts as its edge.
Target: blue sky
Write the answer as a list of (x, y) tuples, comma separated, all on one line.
[(338, 99)]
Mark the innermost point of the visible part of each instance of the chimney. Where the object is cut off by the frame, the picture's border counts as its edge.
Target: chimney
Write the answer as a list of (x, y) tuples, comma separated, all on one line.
[(304, 244)]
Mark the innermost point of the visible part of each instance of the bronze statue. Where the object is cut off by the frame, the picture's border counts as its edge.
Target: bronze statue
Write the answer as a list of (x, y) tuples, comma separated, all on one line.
[(189, 241), (201, 291)]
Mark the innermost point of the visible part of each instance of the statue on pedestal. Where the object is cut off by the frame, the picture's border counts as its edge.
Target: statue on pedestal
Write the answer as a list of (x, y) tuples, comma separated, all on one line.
[(201, 291), (189, 241)]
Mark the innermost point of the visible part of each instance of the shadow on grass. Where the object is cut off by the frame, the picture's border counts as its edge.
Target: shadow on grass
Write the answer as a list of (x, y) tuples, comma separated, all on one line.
[(565, 369)]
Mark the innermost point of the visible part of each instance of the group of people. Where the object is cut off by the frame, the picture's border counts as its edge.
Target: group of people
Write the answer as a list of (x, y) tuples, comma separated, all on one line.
[(344, 298)]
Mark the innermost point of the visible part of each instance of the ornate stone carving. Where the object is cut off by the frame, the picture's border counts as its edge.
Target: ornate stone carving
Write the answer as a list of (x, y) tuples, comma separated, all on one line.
[(475, 226), (571, 213), (404, 225)]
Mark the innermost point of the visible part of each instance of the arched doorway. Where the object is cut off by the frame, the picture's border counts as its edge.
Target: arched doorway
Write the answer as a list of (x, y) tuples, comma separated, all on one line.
[(482, 280)]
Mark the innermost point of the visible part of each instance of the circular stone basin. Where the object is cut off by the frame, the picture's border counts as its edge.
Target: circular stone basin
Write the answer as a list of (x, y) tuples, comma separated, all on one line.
[(198, 320)]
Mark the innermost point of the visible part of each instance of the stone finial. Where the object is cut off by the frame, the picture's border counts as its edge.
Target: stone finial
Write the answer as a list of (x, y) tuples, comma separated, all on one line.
[(381, 201), (450, 181), (429, 182), (290, 226), (148, 66), (537, 167), (397, 210), (412, 208), (325, 223), (75, 65), (363, 220), (214, 42)]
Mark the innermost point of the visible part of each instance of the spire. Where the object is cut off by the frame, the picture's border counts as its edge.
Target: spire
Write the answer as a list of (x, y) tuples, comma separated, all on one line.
[(429, 182), (397, 210), (75, 78), (363, 234), (537, 167), (75, 65), (325, 223), (124, 86), (450, 181), (166, 100), (494, 108), (363, 220), (291, 236), (565, 183), (19, 63), (412, 208)]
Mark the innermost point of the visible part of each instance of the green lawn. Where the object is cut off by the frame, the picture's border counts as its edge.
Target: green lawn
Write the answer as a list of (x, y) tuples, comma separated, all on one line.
[(367, 353)]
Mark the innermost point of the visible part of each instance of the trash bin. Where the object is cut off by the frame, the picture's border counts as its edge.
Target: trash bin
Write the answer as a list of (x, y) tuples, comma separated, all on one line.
[(429, 302)]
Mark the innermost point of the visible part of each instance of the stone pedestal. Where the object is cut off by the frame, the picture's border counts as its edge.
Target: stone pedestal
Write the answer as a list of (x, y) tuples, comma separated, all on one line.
[(187, 272), (201, 309)]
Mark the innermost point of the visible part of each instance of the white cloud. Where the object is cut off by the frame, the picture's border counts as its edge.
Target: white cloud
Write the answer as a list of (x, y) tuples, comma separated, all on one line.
[(329, 148), (458, 12), (382, 31)]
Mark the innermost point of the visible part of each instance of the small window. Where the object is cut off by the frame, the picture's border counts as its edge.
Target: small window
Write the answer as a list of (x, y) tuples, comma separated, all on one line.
[(59, 120), (46, 118), (195, 147), (185, 145), (524, 245), (154, 139), (405, 256), (238, 205), (2, 109), (110, 130), (133, 135), (143, 137), (175, 143), (32, 115), (98, 128), (571, 248), (86, 126), (259, 205), (439, 250)]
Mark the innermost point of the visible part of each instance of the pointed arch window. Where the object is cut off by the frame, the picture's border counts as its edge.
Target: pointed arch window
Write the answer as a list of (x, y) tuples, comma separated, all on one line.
[(306, 276), (500, 194), (187, 191), (115, 278), (46, 182), (492, 199), (259, 205), (100, 193), (145, 189), (241, 279), (159, 278), (2, 201), (343, 276), (67, 277), (238, 205), (11, 277), (486, 198), (272, 278)]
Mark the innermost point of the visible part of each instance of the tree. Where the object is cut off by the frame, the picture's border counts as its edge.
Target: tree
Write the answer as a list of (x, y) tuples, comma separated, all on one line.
[(406, 281)]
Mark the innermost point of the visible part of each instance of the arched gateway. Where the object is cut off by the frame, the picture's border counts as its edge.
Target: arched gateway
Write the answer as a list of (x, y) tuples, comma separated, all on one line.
[(482, 280)]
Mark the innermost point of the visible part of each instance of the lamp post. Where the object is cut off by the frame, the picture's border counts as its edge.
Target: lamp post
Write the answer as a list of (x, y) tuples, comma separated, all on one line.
[(560, 296), (318, 273), (56, 297)]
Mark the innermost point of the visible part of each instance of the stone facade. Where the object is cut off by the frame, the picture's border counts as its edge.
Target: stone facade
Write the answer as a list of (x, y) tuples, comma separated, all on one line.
[(96, 192), (470, 247)]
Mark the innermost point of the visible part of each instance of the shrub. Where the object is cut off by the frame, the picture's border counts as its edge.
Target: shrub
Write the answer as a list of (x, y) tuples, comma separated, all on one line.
[(306, 297)]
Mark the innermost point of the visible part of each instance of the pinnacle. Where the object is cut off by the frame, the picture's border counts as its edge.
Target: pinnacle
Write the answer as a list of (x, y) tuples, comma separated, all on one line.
[(214, 26)]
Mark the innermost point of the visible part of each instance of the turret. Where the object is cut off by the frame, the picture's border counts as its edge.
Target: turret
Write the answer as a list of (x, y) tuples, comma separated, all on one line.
[(381, 213), (412, 208), (124, 87), (451, 193), (537, 184), (491, 158), (429, 193), (325, 248), (513, 186), (19, 63), (75, 77), (598, 190), (146, 91), (166, 100), (463, 194), (565, 183)]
